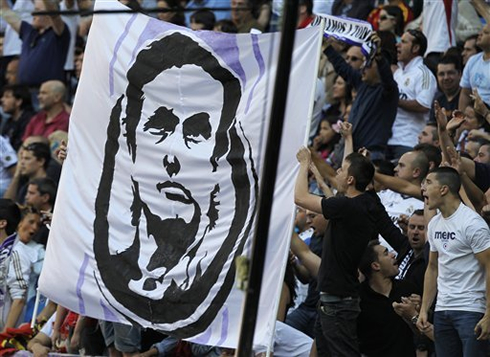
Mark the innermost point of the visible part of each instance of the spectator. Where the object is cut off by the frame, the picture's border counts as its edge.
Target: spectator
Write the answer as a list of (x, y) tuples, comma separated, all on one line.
[(16, 101), (12, 71), (391, 19), (41, 194), (458, 262), (439, 27), (202, 20), (351, 227), (373, 17), (358, 9), (417, 87), (8, 163), (305, 13), (448, 78), (475, 73), (242, 16), (429, 135), (201, 4), (374, 108), (34, 160), (53, 115), (9, 220), (304, 316), (174, 17), (44, 44), (226, 26), (25, 264), (470, 48), (354, 57), (483, 156), (381, 331)]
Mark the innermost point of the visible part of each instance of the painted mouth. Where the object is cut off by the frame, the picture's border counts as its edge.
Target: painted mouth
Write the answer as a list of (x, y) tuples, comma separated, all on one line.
[(175, 192)]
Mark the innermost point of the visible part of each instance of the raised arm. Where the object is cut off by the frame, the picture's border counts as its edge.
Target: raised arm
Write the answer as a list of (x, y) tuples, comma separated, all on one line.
[(482, 8), (302, 197), (327, 171), (308, 259), (398, 185), (10, 16), (56, 21)]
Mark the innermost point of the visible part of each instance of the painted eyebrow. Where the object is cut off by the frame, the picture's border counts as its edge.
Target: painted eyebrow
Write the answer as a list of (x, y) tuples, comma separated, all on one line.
[(196, 125), (164, 120)]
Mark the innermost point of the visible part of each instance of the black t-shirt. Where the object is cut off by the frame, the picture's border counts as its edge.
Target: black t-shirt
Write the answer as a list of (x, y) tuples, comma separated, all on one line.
[(351, 226), (381, 332)]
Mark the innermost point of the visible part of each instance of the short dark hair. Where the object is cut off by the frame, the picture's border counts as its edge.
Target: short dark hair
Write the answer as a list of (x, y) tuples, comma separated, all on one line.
[(308, 4), (421, 161), (452, 59), (385, 167), (449, 177), (473, 37), (419, 39), (226, 26), (418, 212), (20, 92), (10, 212), (204, 17), (433, 153), (45, 186), (361, 169), (40, 151), (370, 256)]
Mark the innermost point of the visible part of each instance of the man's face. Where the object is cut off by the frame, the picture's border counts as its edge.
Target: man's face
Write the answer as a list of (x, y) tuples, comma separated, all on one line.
[(483, 40), (10, 104), (343, 176), (29, 164), (370, 74), (431, 191), (416, 232), (11, 72), (177, 199), (317, 222), (448, 78), (240, 11), (78, 64), (34, 198), (405, 48), (483, 156), (43, 21), (404, 169), (46, 97), (354, 57), (164, 16), (469, 50), (426, 136), (386, 262)]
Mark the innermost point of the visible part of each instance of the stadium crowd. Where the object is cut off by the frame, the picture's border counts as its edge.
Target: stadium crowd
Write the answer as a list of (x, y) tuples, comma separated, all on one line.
[(390, 254)]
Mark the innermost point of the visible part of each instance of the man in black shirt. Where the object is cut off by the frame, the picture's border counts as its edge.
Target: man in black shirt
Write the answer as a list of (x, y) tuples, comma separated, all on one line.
[(351, 226)]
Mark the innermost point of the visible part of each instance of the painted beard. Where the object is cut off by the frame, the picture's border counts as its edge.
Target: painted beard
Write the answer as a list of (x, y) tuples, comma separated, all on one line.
[(175, 238)]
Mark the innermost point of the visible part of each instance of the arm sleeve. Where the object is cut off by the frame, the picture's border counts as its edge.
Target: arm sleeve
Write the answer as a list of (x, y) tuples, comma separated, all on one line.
[(427, 89), (18, 275), (386, 75), (465, 78), (388, 230), (342, 68), (334, 207), (478, 234)]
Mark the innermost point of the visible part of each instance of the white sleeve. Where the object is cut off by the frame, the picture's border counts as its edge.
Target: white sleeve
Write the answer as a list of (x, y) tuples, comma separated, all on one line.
[(8, 157), (426, 89), (478, 235), (18, 275)]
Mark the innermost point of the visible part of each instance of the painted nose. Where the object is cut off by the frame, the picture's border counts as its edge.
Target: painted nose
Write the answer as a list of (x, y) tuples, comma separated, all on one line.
[(171, 164)]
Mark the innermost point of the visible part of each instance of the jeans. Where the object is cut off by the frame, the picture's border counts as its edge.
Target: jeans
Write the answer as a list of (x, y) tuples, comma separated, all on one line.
[(303, 319), (337, 335), (454, 334)]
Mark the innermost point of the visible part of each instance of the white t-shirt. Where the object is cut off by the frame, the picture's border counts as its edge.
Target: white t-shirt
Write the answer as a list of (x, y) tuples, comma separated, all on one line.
[(461, 279), (440, 34), (476, 74), (11, 42), (71, 22), (415, 82)]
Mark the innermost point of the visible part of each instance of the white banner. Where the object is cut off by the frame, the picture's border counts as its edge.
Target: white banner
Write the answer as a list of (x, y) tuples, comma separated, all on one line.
[(159, 192)]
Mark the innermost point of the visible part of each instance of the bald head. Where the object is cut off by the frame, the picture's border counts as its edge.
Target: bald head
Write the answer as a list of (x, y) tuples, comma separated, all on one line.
[(51, 95)]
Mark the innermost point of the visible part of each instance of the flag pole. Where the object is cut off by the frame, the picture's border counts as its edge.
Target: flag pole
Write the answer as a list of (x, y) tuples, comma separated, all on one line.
[(259, 244)]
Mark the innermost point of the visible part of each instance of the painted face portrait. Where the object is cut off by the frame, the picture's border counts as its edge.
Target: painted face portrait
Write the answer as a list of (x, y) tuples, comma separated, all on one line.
[(191, 184)]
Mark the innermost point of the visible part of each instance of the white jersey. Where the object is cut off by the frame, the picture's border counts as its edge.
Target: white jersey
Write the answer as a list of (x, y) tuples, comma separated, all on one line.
[(440, 34), (8, 159), (476, 74), (415, 82), (397, 204), (461, 279)]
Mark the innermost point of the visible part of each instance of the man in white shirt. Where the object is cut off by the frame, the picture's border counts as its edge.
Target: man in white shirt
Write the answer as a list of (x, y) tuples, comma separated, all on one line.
[(458, 270), (417, 87)]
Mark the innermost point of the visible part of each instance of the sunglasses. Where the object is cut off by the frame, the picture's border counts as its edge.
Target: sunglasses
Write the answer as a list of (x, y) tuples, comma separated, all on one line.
[(384, 17)]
